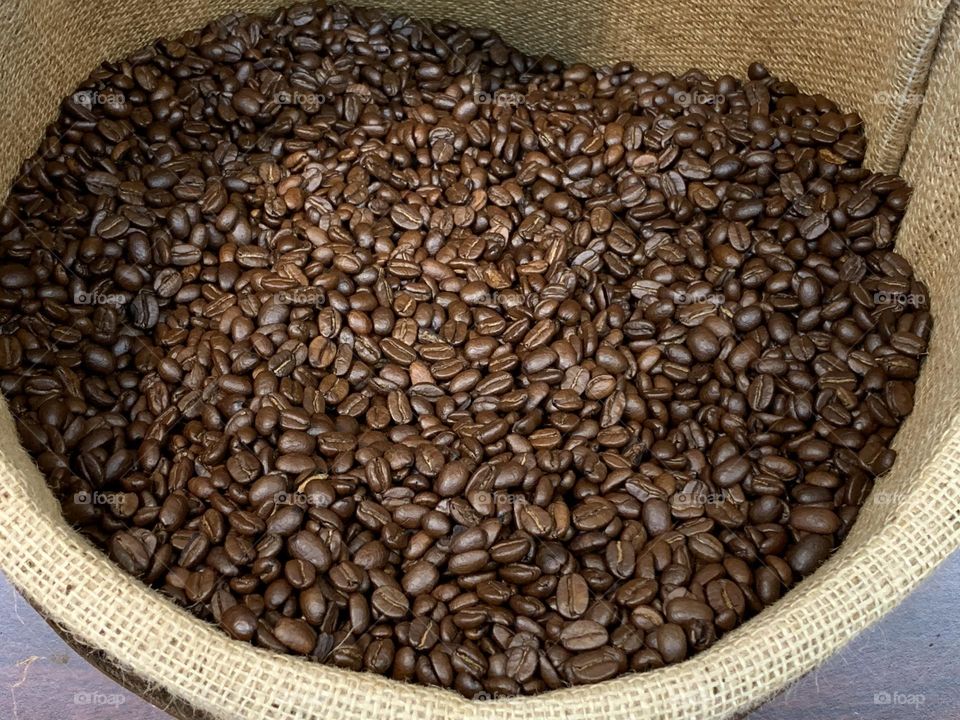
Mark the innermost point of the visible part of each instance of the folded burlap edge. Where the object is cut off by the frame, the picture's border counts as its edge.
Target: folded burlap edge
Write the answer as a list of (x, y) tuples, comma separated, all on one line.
[(164, 646)]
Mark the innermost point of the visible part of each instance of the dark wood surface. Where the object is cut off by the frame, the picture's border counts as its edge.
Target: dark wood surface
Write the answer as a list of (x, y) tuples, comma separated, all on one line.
[(905, 668)]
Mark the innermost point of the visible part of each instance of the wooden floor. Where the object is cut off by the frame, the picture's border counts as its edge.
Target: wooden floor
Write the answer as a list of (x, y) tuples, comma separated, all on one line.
[(905, 668)]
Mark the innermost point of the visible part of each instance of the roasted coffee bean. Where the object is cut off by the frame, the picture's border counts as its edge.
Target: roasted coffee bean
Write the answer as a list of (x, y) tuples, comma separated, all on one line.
[(420, 578), (307, 546), (573, 596), (480, 370), (821, 521), (11, 352), (583, 635), (809, 553), (296, 635), (239, 621), (130, 552), (687, 610), (144, 310), (671, 642), (467, 563), (728, 602), (595, 665)]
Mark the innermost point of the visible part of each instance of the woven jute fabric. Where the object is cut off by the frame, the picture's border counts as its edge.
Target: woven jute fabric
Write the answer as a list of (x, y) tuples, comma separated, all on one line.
[(877, 57)]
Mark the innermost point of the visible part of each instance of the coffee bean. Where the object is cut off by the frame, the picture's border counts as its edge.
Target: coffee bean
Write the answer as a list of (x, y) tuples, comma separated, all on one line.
[(11, 352), (406, 217), (420, 578), (468, 562), (101, 183), (621, 559), (299, 573), (813, 226), (379, 656), (130, 552), (522, 661), (731, 471), (424, 633), (728, 602), (144, 310), (760, 393), (703, 344), (534, 520), (821, 521), (573, 596), (239, 621), (184, 254), (809, 553), (307, 546), (583, 635), (14, 276), (595, 665), (671, 642), (686, 610), (594, 513), (296, 635), (656, 516)]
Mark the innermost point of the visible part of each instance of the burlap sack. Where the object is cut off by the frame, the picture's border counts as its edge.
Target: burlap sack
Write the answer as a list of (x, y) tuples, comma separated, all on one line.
[(876, 57)]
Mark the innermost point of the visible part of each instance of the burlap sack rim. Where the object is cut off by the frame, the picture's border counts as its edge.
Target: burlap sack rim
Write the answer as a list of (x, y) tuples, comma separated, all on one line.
[(894, 140), (155, 694), (869, 574), (873, 577)]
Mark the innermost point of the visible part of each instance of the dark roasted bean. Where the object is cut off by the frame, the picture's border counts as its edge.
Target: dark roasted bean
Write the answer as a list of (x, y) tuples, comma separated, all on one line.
[(583, 635)]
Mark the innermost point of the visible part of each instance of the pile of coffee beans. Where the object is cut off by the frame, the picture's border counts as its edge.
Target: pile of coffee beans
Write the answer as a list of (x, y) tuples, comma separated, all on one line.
[(382, 343)]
